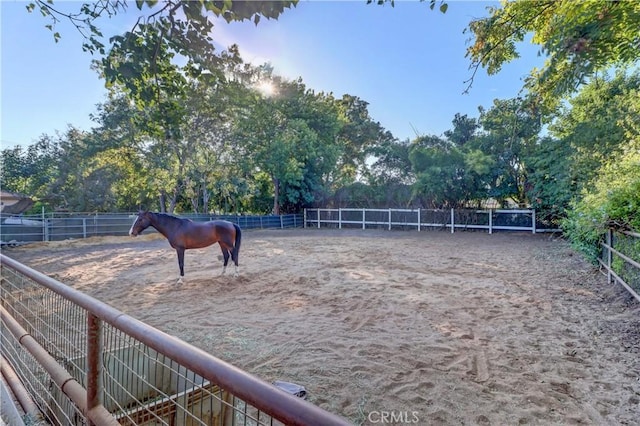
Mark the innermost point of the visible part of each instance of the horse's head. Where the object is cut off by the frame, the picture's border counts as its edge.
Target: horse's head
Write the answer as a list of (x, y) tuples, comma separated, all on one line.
[(142, 222)]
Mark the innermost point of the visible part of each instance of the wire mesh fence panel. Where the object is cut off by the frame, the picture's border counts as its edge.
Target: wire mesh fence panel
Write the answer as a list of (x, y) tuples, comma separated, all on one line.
[(514, 219), (434, 219), (57, 325), (404, 219)]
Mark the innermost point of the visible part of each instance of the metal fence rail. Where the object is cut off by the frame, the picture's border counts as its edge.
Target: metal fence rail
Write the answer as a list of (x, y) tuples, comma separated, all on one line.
[(490, 220), (617, 261), (85, 362), (62, 226)]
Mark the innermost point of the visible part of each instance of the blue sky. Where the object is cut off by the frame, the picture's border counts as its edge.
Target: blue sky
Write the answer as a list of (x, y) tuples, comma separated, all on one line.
[(406, 61)]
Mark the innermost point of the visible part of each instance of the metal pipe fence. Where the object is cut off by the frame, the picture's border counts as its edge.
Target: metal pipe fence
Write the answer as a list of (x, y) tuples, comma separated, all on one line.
[(84, 362), (63, 226), (617, 260), (419, 219)]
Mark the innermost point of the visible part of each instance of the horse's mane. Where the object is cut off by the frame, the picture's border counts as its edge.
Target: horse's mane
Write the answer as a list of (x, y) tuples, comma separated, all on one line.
[(171, 217)]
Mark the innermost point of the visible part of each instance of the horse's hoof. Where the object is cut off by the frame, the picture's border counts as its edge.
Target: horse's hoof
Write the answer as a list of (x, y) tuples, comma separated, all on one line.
[(179, 282)]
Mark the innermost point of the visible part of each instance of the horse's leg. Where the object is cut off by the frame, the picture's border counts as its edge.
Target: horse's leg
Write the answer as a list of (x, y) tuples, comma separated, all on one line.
[(180, 252), (234, 258), (229, 245), (225, 255)]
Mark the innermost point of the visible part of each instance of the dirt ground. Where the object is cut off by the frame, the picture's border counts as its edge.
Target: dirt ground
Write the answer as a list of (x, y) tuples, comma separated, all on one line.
[(435, 328)]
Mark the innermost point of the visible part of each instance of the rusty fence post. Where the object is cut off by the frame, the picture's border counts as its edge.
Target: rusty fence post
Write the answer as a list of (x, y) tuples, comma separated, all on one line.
[(94, 362)]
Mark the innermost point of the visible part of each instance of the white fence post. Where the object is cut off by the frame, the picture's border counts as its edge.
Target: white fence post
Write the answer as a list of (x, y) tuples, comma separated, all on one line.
[(304, 219), (318, 218), (453, 226), (490, 221), (389, 219), (419, 226), (364, 214), (84, 227), (533, 221), (44, 226), (340, 218)]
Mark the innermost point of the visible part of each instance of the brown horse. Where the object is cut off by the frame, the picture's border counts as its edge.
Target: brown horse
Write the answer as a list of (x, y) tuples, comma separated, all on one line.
[(186, 234)]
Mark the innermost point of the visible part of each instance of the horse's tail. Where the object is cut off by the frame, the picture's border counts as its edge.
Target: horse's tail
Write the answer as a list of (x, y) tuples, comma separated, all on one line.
[(236, 246)]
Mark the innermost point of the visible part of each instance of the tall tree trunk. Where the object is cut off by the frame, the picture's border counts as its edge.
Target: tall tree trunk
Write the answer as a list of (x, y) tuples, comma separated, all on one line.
[(205, 199), (163, 202), (173, 201), (276, 196)]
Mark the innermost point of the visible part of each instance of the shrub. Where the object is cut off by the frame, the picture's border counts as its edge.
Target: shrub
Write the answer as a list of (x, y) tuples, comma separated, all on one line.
[(612, 200)]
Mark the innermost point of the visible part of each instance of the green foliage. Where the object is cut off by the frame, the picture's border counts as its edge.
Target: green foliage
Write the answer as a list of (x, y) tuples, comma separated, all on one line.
[(551, 184), (142, 59), (293, 136), (31, 170), (439, 168), (510, 131), (579, 39), (593, 126), (613, 201)]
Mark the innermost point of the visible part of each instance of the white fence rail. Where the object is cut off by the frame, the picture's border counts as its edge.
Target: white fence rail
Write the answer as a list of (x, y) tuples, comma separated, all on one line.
[(620, 267), (453, 219)]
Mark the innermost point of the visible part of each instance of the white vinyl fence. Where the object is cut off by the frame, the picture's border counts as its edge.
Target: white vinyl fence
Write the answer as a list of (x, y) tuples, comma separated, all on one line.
[(453, 219)]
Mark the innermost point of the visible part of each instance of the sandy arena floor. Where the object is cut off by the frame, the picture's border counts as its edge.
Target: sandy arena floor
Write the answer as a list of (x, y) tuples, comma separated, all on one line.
[(468, 328)]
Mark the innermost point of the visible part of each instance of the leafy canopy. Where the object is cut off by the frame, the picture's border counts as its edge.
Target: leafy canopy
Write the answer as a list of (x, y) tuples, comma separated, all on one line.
[(144, 60), (579, 38)]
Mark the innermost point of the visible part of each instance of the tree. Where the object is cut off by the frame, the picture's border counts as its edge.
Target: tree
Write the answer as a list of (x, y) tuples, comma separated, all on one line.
[(510, 130), (580, 40), (293, 137), (439, 169), (31, 170), (464, 130), (592, 124), (392, 164), (552, 185), (478, 165), (358, 136)]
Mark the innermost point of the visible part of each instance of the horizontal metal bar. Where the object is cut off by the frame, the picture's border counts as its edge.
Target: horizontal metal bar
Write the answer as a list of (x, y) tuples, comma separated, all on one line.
[(19, 391), (9, 409)]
